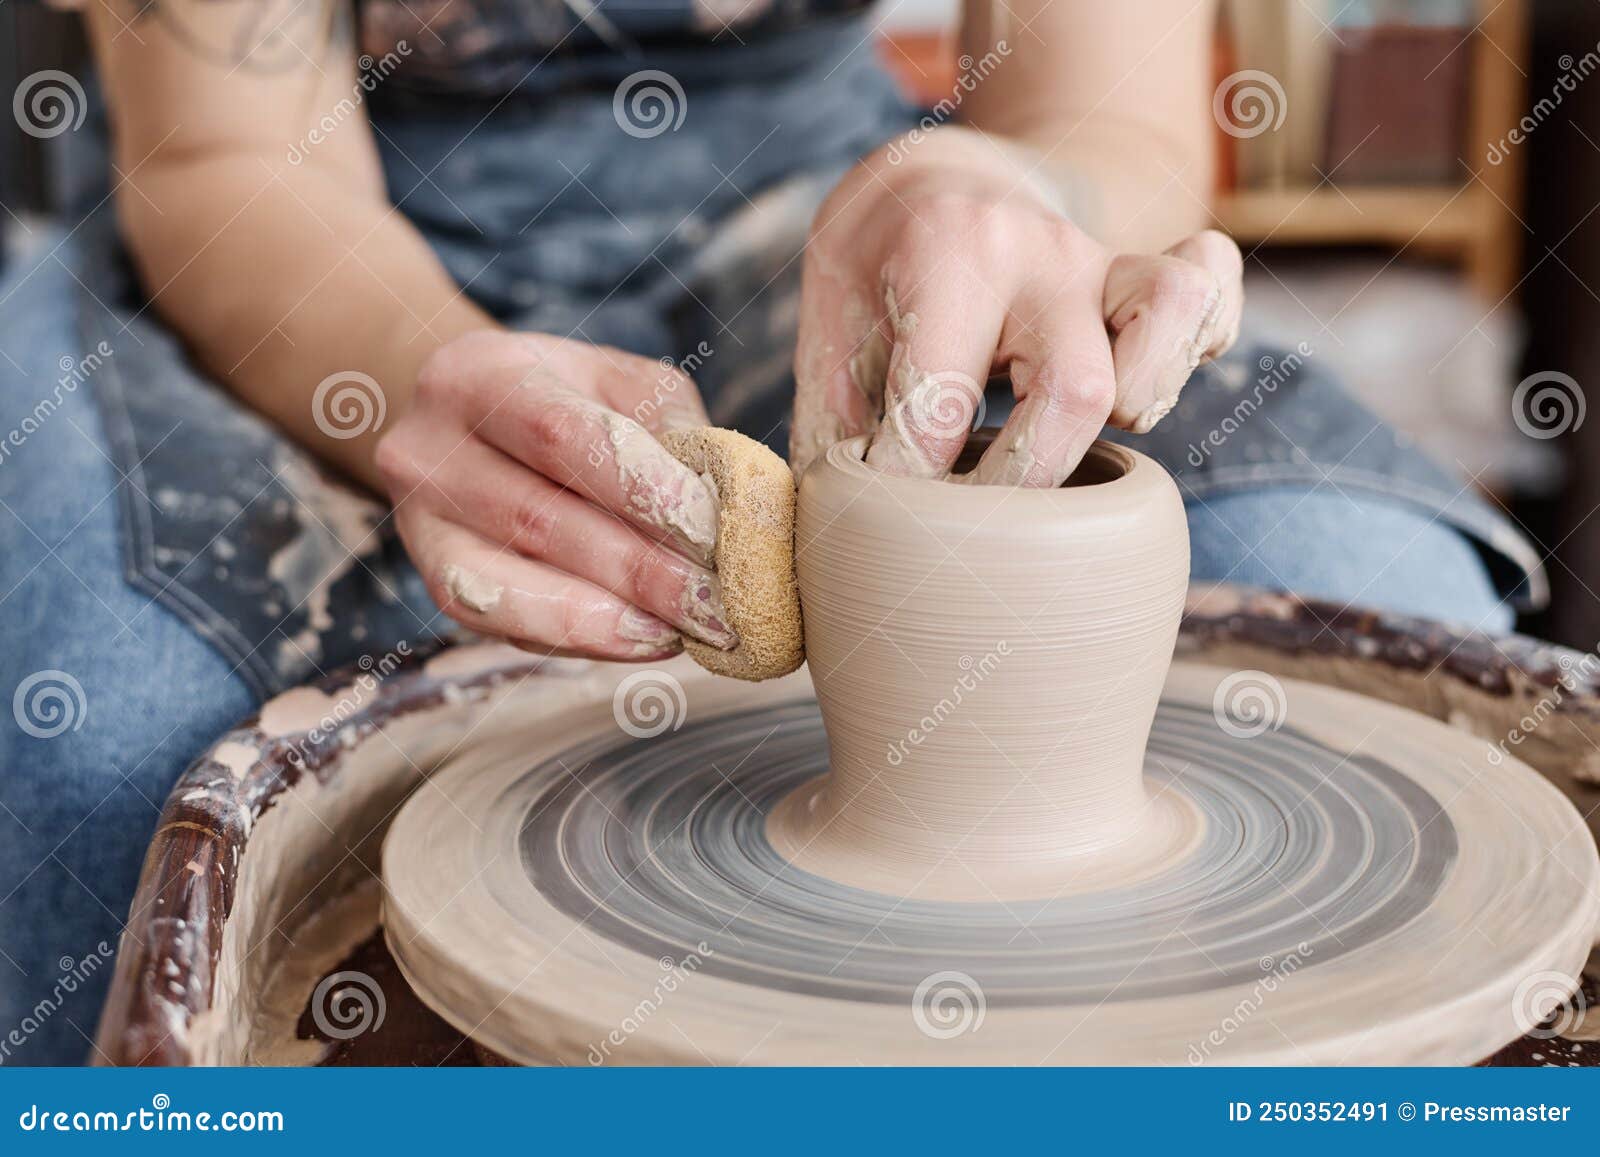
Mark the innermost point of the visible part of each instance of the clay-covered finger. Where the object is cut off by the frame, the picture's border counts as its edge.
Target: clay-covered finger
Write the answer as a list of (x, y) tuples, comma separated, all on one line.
[(1061, 370), (944, 334), (1163, 314), (841, 357), (498, 592), (610, 459), (1216, 251), (510, 506)]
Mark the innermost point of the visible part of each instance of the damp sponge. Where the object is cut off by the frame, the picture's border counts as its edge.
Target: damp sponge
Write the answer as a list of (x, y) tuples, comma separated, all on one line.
[(754, 553)]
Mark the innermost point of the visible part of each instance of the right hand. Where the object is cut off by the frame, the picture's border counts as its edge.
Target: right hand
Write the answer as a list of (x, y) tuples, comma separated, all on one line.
[(532, 495)]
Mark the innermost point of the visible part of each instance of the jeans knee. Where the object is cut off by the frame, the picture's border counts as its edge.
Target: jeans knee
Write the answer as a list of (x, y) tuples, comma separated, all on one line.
[(1348, 549)]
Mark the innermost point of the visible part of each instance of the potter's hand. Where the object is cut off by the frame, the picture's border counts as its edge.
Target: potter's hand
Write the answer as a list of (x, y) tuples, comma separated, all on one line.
[(934, 265), (538, 505)]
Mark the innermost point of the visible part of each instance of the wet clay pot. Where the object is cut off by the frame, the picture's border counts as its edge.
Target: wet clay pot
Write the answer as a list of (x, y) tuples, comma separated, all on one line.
[(988, 662)]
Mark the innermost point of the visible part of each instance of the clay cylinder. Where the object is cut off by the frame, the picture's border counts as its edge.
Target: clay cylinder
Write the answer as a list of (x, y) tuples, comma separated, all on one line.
[(988, 661)]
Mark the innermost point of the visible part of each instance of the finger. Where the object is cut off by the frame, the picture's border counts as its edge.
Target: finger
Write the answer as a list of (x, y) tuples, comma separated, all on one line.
[(945, 331), (1061, 368), (583, 445), (841, 358), (535, 605), (510, 506), (1162, 313), (1218, 253)]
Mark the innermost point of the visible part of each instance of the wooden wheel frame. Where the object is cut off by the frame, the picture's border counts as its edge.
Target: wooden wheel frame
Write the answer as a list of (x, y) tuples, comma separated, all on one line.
[(261, 878)]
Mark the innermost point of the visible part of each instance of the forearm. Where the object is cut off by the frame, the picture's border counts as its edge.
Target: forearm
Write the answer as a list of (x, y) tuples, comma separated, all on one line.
[(1133, 198), (277, 282), (1109, 104)]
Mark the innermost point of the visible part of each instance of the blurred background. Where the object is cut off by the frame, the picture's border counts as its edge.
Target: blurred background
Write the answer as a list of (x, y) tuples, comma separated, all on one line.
[(1415, 186)]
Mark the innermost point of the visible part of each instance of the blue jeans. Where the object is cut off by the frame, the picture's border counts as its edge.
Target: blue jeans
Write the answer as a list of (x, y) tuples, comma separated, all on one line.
[(83, 776)]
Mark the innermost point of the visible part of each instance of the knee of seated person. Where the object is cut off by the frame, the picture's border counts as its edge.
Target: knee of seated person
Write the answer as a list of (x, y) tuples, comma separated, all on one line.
[(1352, 550)]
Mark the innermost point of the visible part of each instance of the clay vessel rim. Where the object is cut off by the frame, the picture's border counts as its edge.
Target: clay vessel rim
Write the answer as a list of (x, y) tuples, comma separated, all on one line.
[(1132, 470)]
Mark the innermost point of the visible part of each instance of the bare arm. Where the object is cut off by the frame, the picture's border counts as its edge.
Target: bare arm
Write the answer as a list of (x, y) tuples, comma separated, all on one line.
[(277, 274), (1112, 101), (251, 195)]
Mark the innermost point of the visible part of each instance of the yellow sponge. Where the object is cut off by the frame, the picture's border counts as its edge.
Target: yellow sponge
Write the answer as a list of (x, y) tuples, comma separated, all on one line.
[(754, 554)]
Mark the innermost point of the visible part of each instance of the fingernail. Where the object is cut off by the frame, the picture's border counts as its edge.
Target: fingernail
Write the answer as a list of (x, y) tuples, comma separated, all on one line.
[(664, 493), (642, 627), (656, 650), (694, 517), (1147, 418), (701, 603), (1205, 332)]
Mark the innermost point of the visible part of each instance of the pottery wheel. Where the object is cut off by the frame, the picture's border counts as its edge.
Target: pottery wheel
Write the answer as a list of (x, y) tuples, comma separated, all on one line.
[(1365, 885)]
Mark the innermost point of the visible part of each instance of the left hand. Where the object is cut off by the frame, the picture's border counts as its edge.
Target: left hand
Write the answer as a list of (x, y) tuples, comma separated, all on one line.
[(924, 277)]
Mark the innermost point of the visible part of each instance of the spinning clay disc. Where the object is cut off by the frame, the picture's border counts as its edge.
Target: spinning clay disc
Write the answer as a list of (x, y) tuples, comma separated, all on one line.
[(1359, 885)]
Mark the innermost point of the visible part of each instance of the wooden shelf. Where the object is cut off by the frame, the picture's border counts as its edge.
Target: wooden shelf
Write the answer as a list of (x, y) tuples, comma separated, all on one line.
[(1476, 224), (1434, 217)]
